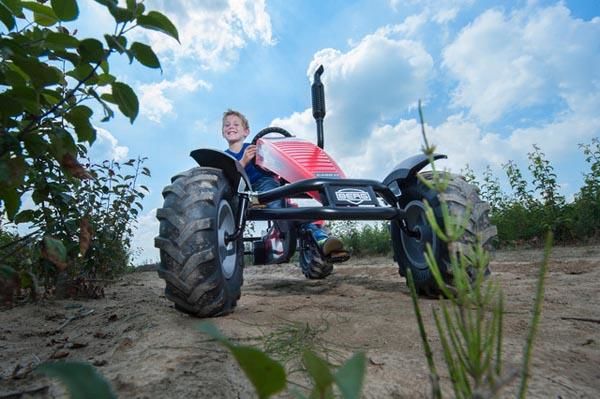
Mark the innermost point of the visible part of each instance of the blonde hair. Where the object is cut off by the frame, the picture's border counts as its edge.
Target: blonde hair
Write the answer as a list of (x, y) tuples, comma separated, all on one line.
[(239, 115)]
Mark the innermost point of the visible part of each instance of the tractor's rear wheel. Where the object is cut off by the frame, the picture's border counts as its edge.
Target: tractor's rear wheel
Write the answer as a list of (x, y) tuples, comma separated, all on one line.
[(203, 272), (410, 246)]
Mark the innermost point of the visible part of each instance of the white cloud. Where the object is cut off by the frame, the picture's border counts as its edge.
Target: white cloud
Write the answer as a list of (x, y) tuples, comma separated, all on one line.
[(501, 63), (107, 146), (154, 100), (212, 32), (409, 27), (442, 12), (375, 80), (528, 58)]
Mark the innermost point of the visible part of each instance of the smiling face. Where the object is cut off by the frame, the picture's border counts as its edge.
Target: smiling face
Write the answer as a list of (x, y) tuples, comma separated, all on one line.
[(235, 130)]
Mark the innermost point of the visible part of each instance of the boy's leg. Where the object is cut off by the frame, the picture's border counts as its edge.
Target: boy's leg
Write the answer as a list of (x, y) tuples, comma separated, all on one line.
[(331, 246), (265, 184)]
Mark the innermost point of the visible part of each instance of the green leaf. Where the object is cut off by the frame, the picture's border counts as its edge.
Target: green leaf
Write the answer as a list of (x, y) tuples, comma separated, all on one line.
[(104, 65), (318, 369), (118, 43), (349, 378), (51, 96), (145, 55), (211, 330), (135, 7), (12, 6), (40, 74), (39, 8), (121, 14), (79, 117), (108, 98), (6, 16), (108, 3), (12, 200), (55, 251), (65, 10), (266, 375), (61, 41), (12, 171), (42, 14), (157, 21), (27, 97), (73, 58), (34, 144), (82, 379), (61, 142), (105, 79), (126, 100), (91, 50), (25, 216), (8, 105), (82, 71)]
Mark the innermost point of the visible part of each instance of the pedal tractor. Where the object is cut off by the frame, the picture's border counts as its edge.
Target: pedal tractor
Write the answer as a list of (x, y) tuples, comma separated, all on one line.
[(202, 221)]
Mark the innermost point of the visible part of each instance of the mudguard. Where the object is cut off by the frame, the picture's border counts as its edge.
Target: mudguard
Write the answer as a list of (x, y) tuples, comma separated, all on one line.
[(233, 170), (408, 169)]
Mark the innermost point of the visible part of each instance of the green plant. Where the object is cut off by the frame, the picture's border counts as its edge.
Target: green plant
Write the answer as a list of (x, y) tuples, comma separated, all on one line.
[(82, 380), (586, 206), (491, 191), (48, 75), (469, 322), (84, 232), (269, 377)]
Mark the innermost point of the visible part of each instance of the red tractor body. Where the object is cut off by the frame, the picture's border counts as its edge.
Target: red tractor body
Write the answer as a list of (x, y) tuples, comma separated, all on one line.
[(294, 159)]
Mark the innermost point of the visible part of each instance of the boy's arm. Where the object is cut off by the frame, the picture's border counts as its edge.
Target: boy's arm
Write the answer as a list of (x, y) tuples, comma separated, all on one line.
[(248, 156)]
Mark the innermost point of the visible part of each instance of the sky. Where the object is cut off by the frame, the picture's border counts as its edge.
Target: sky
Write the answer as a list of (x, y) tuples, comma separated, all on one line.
[(494, 79)]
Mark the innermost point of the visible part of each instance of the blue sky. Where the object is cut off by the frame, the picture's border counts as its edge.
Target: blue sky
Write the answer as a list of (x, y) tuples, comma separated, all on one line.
[(494, 78)]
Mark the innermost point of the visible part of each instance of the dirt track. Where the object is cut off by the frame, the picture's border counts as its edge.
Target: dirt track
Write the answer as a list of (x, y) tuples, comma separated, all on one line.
[(146, 349)]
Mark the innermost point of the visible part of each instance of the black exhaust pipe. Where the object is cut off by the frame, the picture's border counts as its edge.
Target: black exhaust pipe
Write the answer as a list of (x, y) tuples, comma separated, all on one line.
[(318, 104)]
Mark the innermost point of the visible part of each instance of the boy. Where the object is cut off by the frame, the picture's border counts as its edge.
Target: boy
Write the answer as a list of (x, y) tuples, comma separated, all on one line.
[(235, 130)]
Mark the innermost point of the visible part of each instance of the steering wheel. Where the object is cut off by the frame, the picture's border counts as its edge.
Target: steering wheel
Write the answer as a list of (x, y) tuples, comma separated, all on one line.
[(272, 129)]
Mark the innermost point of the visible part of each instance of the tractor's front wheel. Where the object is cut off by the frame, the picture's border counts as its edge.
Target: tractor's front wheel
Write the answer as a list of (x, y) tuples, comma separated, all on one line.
[(202, 270), (312, 263), (410, 242)]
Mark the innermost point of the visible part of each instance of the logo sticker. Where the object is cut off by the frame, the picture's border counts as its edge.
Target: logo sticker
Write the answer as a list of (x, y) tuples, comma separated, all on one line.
[(354, 196)]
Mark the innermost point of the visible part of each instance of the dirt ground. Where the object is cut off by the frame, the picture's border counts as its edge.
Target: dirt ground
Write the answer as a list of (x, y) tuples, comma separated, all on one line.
[(147, 349)]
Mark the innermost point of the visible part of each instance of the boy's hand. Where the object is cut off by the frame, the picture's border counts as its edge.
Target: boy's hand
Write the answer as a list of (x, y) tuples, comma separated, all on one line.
[(249, 155)]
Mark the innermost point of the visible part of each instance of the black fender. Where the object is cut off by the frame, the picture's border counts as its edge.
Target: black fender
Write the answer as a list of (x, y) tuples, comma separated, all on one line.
[(407, 170), (233, 170)]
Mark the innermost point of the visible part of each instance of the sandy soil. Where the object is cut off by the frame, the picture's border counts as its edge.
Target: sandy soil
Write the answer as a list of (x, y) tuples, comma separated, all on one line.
[(147, 349)]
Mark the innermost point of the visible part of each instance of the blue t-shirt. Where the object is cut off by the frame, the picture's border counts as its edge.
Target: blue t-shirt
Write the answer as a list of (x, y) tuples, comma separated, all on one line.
[(254, 174)]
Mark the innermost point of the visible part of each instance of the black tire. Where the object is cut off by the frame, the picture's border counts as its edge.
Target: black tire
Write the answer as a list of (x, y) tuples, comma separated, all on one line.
[(312, 263), (203, 275), (409, 251)]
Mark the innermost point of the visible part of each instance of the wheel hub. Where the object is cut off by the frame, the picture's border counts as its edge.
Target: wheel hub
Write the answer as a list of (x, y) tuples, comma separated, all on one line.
[(227, 250), (419, 234)]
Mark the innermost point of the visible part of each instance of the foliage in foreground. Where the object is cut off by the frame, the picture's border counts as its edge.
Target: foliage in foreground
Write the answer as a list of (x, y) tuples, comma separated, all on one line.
[(48, 77), (82, 380), (469, 319), (268, 377)]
